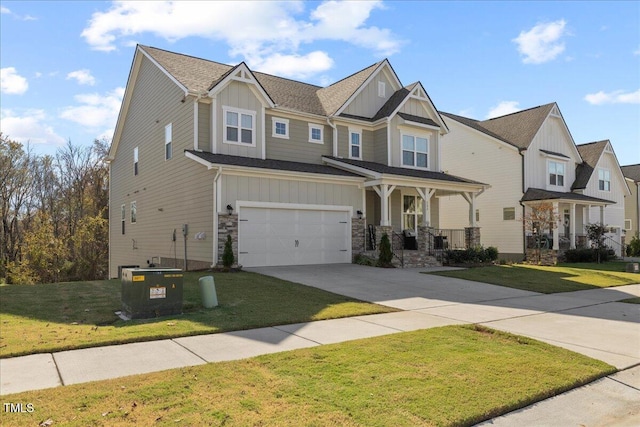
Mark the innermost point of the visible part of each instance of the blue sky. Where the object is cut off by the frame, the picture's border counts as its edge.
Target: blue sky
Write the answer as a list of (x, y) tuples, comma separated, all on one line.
[(65, 64)]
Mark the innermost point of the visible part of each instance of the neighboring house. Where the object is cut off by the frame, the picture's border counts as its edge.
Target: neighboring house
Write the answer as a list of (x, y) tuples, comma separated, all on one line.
[(632, 202), (530, 157), (292, 171)]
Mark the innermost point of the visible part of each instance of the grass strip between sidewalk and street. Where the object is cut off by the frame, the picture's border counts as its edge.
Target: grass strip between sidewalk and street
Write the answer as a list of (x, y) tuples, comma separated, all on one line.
[(448, 376), (64, 316), (549, 280)]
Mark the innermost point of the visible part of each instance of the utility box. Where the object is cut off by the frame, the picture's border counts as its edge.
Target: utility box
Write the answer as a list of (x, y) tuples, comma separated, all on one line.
[(151, 292)]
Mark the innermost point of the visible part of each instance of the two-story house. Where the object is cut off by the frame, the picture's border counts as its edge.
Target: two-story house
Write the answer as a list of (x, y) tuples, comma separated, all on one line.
[(292, 171), (632, 202), (528, 158)]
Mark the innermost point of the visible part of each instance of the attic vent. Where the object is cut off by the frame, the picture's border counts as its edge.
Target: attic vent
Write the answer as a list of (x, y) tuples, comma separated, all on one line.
[(381, 89), (555, 112)]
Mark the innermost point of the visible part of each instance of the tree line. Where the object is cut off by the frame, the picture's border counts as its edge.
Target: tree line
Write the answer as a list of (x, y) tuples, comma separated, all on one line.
[(53, 213)]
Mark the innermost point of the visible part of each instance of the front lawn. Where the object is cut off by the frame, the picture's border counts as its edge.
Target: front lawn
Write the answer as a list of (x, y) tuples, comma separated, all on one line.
[(549, 280), (63, 316), (450, 376)]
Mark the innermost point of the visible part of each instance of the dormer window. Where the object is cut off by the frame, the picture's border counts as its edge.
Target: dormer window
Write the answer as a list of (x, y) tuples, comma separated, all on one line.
[(556, 173), (604, 180), (415, 151)]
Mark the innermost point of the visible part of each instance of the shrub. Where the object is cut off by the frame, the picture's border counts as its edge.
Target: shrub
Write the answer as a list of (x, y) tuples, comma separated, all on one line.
[(227, 254), (384, 260), (634, 246), (589, 255), (364, 260), (476, 255)]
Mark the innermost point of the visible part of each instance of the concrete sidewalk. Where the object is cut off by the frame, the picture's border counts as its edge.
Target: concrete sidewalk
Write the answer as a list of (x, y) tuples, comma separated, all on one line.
[(588, 322)]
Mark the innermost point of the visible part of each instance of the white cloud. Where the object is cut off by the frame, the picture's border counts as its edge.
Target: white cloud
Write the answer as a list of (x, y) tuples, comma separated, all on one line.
[(29, 127), (296, 66), (95, 111), (615, 97), (83, 77), (503, 108), (4, 10), (7, 11), (542, 43), (272, 31), (11, 82), (637, 52)]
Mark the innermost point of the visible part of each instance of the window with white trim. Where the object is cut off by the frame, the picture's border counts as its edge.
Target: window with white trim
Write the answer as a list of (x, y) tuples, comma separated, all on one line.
[(355, 144), (239, 126), (280, 128), (604, 180), (627, 224), (123, 216), (412, 214), (556, 173), (168, 137), (315, 133), (415, 151), (135, 161), (508, 214), (134, 212)]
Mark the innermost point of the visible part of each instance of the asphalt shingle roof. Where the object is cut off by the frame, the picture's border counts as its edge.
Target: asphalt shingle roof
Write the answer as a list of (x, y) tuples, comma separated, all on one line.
[(225, 159), (631, 172), (537, 194), (391, 170), (590, 154)]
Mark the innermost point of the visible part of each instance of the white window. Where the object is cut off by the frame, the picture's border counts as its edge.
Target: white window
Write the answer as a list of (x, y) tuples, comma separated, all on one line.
[(509, 214), (168, 137), (415, 151), (556, 173), (280, 128), (355, 144), (239, 126), (135, 161), (412, 214), (381, 89), (627, 224), (123, 216), (604, 180), (315, 134), (134, 213)]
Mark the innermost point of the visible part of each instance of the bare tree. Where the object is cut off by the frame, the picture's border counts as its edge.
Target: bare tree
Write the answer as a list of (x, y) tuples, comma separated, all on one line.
[(540, 219)]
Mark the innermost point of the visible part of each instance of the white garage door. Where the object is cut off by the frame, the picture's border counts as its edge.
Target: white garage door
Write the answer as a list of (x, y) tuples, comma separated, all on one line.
[(273, 236)]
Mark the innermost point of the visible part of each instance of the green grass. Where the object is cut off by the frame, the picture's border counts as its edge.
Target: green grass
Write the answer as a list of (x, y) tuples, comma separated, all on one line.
[(632, 300), (549, 280), (63, 316), (450, 376)]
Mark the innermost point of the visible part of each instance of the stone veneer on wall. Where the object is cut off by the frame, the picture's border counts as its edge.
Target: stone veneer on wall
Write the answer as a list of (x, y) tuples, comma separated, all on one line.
[(227, 224), (357, 236)]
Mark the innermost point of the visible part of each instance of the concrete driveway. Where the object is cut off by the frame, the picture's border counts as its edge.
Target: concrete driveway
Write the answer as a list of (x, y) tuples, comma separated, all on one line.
[(588, 322)]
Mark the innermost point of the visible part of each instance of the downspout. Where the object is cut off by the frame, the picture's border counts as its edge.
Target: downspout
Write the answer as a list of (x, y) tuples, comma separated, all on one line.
[(524, 231), (335, 136), (215, 218)]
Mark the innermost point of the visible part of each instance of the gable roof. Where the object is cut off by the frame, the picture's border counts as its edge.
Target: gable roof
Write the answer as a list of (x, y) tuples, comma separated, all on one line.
[(632, 172), (590, 153), (517, 129), (333, 97)]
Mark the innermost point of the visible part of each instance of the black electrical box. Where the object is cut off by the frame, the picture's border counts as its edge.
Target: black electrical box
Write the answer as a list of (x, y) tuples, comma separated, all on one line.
[(151, 292)]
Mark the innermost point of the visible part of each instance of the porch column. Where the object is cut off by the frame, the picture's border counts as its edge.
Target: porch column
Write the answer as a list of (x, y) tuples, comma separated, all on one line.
[(384, 191), (556, 234), (425, 194), (601, 215), (471, 199), (572, 226)]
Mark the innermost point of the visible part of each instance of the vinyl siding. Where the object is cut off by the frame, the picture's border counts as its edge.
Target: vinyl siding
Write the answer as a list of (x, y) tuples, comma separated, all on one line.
[(613, 214), (165, 191), (631, 204), (239, 95), (368, 150), (380, 146), (367, 102), (551, 137), (398, 128), (258, 189), (475, 156), (298, 148), (204, 126)]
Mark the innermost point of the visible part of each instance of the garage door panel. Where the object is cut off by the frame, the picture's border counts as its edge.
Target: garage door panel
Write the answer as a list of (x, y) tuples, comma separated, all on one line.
[(274, 236)]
